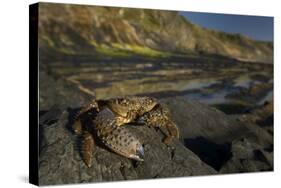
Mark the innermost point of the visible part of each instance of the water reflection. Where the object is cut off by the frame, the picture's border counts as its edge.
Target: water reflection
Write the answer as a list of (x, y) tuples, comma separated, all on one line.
[(210, 83)]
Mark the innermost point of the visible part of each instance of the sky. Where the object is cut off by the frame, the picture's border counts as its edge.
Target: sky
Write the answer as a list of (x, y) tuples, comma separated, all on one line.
[(255, 27)]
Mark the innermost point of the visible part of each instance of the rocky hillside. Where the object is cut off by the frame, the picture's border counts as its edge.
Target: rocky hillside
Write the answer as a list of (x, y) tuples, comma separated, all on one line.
[(124, 32)]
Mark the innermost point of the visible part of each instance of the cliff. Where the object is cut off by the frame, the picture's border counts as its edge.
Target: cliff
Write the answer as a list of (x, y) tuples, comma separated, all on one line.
[(127, 32)]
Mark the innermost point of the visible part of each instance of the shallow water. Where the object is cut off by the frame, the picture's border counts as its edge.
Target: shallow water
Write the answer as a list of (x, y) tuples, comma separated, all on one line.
[(205, 82), (245, 81), (214, 98), (199, 83), (205, 93), (268, 97)]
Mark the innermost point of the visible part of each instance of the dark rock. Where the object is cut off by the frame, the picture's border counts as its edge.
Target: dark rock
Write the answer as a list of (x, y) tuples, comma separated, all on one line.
[(248, 156), (199, 120), (209, 140), (59, 93), (211, 153), (253, 151), (60, 161), (229, 144)]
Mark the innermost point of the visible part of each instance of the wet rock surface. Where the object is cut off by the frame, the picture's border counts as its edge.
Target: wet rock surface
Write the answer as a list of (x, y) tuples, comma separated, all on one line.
[(211, 142)]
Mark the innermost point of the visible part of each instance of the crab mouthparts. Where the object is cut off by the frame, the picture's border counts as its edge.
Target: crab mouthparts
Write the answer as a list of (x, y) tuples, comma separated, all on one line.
[(141, 121)]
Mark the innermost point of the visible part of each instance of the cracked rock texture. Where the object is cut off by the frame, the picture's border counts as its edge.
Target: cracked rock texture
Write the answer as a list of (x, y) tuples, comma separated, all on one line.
[(211, 142)]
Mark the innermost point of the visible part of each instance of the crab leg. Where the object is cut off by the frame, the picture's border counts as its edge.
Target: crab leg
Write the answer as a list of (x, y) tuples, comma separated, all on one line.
[(170, 132), (86, 108), (77, 125), (87, 147), (173, 132), (160, 118)]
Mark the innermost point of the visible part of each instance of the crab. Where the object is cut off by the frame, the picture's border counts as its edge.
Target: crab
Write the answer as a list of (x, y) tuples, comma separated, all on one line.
[(106, 121), (160, 117)]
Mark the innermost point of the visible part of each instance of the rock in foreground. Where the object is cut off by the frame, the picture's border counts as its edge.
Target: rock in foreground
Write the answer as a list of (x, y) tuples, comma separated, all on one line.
[(211, 142), (230, 144), (60, 161)]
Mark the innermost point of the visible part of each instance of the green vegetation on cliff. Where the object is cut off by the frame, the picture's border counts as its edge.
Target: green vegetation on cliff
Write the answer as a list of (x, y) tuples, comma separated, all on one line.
[(128, 32)]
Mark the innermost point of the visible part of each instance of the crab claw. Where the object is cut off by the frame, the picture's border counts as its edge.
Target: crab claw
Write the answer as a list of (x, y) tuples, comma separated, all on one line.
[(139, 154), (122, 141)]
